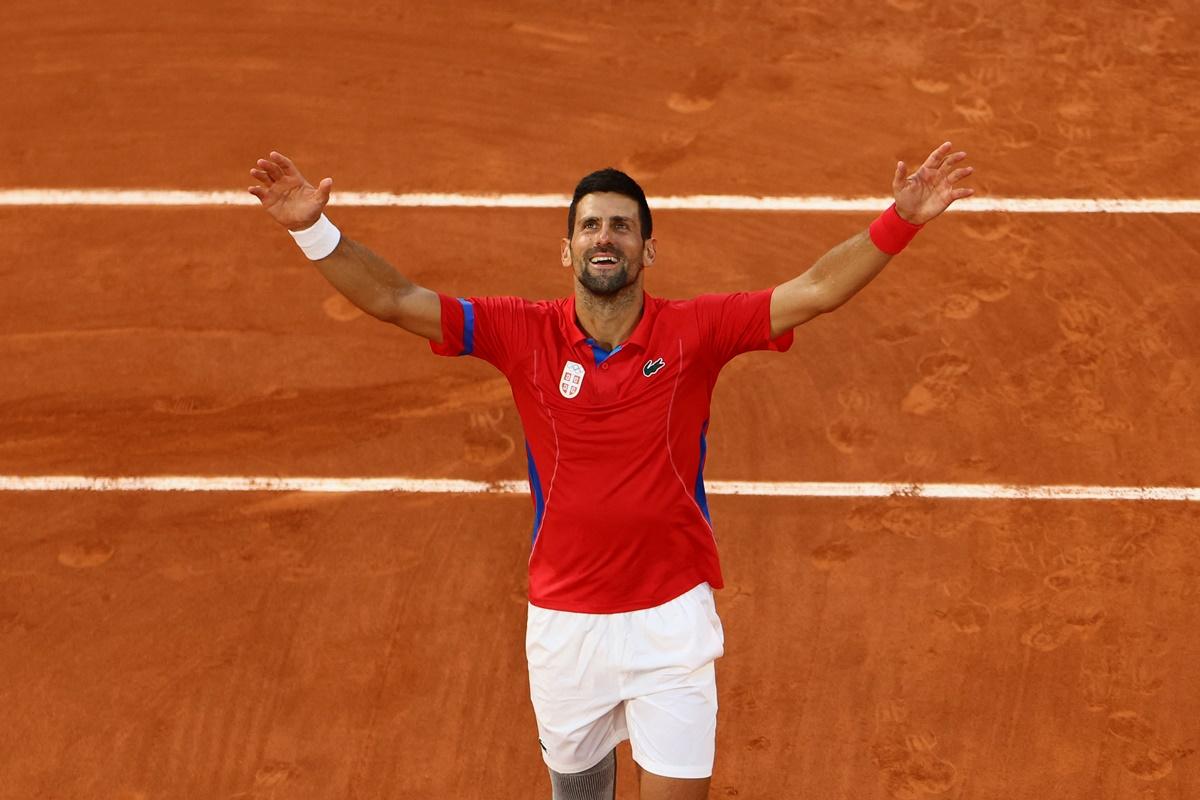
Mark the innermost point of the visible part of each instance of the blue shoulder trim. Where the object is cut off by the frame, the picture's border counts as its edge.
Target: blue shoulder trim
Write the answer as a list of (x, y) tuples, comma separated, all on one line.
[(468, 326)]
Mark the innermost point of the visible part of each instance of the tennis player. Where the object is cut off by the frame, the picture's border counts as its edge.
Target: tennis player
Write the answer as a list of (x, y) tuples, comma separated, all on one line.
[(613, 385)]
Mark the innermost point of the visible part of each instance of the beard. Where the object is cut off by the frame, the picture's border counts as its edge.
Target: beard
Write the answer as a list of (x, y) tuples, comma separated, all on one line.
[(610, 281)]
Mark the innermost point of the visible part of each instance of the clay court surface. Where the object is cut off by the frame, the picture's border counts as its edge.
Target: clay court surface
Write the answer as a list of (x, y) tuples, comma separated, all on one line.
[(305, 645)]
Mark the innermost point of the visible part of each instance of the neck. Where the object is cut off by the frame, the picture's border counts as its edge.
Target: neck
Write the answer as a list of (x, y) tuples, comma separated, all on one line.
[(609, 319)]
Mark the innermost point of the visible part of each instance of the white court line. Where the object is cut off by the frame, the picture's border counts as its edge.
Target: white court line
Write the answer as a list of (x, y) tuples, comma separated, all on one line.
[(695, 202), (242, 483)]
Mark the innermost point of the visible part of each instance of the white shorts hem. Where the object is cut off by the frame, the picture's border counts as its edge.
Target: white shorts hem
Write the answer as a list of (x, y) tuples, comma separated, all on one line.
[(667, 771), (569, 769)]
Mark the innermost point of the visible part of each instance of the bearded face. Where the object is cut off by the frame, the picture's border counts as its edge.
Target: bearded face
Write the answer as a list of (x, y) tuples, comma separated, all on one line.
[(606, 270), (606, 250)]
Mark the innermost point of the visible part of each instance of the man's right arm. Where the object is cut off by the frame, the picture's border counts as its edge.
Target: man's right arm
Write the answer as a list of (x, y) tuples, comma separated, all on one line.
[(364, 278), (377, 288)]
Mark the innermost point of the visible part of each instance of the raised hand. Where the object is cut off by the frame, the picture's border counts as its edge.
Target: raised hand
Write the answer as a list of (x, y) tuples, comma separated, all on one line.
[(930, 190), (291, 200)]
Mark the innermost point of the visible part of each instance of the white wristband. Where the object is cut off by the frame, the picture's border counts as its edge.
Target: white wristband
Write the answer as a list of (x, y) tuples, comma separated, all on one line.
[(319, 240)]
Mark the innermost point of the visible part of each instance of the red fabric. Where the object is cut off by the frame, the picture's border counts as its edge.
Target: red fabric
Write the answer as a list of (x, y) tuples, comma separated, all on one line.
[(616, 464), (891, 233)]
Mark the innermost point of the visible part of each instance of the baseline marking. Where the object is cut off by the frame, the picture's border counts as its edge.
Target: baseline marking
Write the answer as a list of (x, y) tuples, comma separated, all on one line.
[(695, 202), (242, 483)]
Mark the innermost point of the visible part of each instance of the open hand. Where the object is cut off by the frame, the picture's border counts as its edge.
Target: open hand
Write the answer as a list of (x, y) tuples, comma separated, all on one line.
[(930, 190), (286, 195)]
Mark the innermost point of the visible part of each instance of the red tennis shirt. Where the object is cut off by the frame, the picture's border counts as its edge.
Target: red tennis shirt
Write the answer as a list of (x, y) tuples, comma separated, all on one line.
[(615, 440)]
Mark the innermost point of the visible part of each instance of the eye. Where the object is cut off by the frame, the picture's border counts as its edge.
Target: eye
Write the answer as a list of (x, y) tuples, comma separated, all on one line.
[(622, 226), (588, 224)]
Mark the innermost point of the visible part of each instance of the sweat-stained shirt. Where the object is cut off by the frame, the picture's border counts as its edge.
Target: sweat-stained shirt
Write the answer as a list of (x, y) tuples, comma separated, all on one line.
[(615, 440)]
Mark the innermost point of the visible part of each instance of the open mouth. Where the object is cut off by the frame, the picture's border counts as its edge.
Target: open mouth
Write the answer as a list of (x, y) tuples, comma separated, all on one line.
[(604, 260)]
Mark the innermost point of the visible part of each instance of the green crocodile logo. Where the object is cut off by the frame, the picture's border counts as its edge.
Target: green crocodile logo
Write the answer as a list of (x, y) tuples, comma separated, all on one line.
[(652, 367)]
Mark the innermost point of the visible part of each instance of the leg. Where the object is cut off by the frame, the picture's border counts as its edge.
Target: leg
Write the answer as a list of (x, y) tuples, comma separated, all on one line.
[(656, 787), (579, 712), (672, 715), (597, 783)]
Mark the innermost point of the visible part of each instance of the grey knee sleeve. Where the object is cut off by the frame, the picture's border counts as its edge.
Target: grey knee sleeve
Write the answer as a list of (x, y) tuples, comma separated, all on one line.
[(597, 783)]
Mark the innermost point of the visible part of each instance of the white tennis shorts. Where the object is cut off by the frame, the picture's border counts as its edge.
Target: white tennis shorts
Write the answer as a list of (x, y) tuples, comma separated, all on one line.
[(647, 676)]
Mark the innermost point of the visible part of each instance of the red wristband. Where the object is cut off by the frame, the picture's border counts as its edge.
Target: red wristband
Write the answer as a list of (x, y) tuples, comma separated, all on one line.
[(890, 233)]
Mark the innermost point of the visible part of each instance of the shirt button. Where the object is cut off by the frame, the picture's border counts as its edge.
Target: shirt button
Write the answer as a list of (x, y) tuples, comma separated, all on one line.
[(604, 366)]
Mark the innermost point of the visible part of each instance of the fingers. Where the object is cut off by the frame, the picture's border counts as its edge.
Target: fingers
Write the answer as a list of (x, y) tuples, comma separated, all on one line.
[(935, 158), (898, 178), (324, 188), (273, 170), (285, 164), (959, 174), (260, 175), (950, 160)]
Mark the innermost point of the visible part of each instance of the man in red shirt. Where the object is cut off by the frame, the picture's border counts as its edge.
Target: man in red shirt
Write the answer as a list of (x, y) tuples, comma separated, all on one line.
[(613, 388)]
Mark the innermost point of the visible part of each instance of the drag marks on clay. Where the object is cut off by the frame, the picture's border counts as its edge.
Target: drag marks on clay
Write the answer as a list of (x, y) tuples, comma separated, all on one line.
[(758, 744), (235, 707), (959, 306), (1127, 664), (896, 332), (1181, 392), (337, 307), (831, 553), (216, 711), (485, 442), (86, 554), (972, 103), (1070, 579), (480, 396), (908, 518), (851, 430), (216, 404), (1009, 125), (672, 147), (1082, 318), (195, 406), (1077, 577), (908, 521), (930, 85), (1070, 388), (989, 289), (1130, 726), (1143, 755), (12, 623), (548, 33), (966, 614), (1151, 762), (704, 86), (955, 18), (940, 384), (907, 6), (1015, 130), (267, 780), (907, 759)]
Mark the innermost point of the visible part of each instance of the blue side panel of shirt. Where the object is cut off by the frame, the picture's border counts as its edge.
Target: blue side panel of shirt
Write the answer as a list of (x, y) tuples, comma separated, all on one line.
[(535, 486), (701, 497)]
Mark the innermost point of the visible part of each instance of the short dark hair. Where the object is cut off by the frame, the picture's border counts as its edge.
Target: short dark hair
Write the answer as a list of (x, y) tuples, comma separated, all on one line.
[(617, 182)]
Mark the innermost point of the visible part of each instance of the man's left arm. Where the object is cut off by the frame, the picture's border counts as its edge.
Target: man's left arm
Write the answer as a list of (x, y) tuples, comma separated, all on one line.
[(843, 271)]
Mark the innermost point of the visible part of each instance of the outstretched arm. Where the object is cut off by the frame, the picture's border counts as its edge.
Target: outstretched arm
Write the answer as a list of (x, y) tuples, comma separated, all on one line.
[(364, 278), (843, 271)]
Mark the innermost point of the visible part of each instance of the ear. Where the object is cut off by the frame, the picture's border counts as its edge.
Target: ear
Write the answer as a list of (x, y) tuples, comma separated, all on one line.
[(648, 251), (565, 254)]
